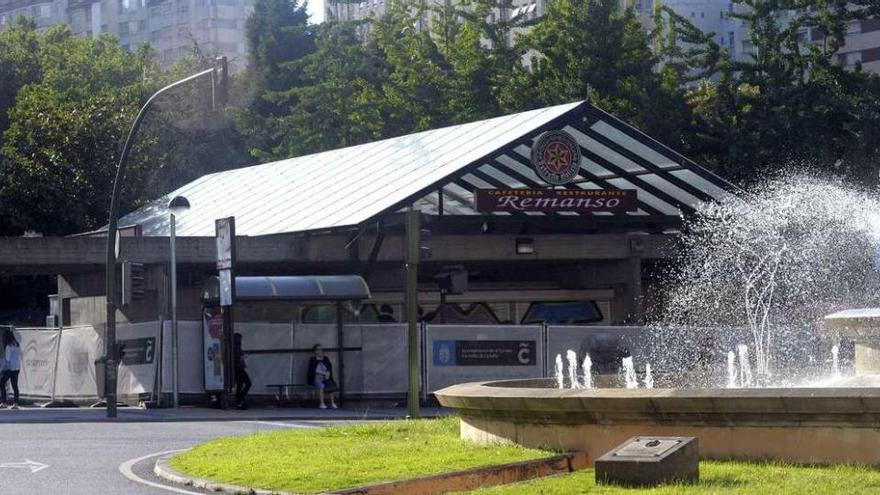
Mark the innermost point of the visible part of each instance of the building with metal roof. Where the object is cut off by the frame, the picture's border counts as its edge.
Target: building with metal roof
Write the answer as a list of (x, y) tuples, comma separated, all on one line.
[(554, 219), (556, 215)]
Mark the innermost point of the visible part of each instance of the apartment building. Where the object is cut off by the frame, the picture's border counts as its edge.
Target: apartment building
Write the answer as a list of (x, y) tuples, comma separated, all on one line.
[(710, 16), (172, 27)]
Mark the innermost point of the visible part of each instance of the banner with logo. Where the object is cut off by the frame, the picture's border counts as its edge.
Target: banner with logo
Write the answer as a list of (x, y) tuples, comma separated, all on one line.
[(75, 377), (38, 350)]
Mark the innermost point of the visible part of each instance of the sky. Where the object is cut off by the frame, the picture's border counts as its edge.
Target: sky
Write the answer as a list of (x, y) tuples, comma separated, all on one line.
[(316, 11)]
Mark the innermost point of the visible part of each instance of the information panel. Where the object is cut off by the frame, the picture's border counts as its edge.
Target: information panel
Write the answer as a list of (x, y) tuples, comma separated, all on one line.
[(484, 353)]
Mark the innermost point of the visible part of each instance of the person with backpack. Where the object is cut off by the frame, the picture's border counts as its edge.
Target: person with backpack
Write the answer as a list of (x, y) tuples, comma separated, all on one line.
[(320, 376), (11, 369)]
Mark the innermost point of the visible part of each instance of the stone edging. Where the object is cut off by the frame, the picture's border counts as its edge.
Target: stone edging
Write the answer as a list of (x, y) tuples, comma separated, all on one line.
[(469, 479), (164, 470)]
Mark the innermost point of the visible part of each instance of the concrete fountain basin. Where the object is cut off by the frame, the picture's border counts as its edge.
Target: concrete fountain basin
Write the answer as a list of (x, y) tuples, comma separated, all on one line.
[(801, 425)]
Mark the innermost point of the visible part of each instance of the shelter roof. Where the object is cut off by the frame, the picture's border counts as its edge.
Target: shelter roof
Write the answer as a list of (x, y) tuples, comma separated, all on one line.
[(293, 288), (438, 170)]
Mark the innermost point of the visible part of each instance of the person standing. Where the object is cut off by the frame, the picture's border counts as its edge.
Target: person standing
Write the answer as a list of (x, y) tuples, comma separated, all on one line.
[(11, 370), (242, 379), (320, 376)]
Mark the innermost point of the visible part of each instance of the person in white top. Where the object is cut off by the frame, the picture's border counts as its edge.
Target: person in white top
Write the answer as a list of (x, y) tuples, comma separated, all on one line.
[(11, 370)]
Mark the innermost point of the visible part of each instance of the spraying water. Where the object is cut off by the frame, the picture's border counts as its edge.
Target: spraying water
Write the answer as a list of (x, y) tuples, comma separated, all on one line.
[(572, 358), (731, 369), (649, 378), (745, 368), (560, 379), (835, 361), (767, 264), (630, 373), (587, 368)]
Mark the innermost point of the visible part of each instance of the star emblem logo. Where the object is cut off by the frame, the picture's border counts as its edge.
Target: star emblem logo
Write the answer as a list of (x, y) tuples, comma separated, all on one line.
[(556, 157)]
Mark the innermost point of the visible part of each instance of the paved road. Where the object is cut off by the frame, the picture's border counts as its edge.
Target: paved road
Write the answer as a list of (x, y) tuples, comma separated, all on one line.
[(84, 454), (84, 458)]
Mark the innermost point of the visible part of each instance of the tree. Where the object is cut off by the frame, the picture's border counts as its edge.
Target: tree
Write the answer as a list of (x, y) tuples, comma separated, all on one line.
[(481, 48), (18, 64), (339, 102), (416, 84), (67, 126), (593, 48), (792, 103), (279, 36), (62, 144)]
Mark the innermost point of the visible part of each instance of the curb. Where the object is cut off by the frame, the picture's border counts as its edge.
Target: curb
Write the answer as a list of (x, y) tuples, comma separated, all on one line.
[(470, 479), (164, 470)]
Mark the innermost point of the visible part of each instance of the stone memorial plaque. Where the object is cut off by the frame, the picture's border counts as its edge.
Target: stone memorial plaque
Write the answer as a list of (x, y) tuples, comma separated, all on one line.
[(649, 461), (647, 447)]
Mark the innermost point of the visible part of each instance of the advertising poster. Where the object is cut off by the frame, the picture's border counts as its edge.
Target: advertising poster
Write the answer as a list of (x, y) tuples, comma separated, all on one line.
[(213, 349)]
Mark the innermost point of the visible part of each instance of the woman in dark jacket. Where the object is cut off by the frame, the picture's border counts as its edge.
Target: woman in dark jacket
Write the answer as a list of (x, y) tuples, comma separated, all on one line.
[(320, 376)]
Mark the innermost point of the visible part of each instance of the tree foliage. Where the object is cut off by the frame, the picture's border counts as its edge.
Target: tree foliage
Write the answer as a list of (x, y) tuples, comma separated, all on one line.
[(793, 103), (71, 113)]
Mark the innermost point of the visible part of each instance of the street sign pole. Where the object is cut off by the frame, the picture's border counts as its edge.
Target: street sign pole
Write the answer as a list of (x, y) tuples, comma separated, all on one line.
[(225, 240), (413, 218)]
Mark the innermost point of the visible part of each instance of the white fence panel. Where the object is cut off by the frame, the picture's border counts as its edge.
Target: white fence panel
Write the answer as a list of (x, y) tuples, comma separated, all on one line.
[(39, 350), (471, 353)]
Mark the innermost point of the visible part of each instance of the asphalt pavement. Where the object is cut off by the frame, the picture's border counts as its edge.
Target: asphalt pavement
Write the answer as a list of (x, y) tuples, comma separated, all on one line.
[(78, 451)]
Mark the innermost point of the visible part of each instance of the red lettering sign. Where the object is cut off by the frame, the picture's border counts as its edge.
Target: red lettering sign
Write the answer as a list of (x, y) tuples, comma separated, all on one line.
[(550, 200)]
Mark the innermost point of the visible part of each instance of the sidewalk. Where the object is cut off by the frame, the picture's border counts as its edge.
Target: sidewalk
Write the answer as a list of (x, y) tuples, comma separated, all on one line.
[(183, 414)]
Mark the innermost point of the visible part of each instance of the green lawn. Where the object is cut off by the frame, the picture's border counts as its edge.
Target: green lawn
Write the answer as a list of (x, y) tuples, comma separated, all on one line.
[(720, 478), (309, 461)]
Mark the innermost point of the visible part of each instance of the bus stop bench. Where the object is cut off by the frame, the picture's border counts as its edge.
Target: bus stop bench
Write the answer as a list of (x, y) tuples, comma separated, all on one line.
[(290, 392)]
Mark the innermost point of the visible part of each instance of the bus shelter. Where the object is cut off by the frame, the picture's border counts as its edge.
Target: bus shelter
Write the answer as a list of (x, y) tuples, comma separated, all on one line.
[(218, 328)]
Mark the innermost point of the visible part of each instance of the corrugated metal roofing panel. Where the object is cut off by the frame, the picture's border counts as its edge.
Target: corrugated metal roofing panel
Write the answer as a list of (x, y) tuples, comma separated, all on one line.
[(337, 188)]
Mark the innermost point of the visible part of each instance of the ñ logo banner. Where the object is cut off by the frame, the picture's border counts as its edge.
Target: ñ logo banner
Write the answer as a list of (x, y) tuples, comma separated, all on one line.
[(556, 157)]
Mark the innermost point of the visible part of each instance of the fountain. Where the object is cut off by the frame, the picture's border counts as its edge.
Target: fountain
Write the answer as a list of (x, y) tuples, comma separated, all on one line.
[(745, 368), (587, 368), (731, 370), (629, 373), (734, 350), (572, 369), (835, 360), (560, 378)]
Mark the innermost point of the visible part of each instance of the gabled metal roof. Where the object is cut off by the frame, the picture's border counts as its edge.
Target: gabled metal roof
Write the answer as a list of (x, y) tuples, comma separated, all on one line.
[(349, 186)]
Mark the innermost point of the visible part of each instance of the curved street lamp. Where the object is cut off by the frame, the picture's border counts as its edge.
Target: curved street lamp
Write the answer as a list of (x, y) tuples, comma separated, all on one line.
[(219, 87)]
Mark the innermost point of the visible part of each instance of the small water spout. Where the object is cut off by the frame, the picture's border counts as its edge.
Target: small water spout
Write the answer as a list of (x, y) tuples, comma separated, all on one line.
[(587, 368), (572, 358), (745, 368), (560, 380), (835, 361), (731, 369), (630, 373), (649, 378)]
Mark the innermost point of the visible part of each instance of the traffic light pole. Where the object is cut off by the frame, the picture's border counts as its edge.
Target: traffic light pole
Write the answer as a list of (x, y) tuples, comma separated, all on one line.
[(413, 220), (218, 86)]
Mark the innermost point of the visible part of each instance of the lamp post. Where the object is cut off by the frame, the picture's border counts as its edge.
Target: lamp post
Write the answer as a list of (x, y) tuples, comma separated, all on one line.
[(176, 206), (219, 82)]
